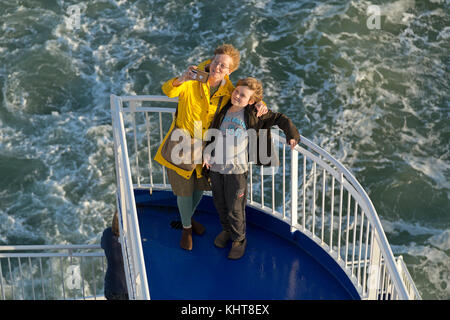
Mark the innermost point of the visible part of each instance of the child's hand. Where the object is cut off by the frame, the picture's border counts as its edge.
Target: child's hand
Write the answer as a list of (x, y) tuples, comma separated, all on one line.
[(292, 143), (206, 162), (262, 108)]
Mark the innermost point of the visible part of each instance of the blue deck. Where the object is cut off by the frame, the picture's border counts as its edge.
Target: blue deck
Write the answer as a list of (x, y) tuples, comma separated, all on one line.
[(277, 264)]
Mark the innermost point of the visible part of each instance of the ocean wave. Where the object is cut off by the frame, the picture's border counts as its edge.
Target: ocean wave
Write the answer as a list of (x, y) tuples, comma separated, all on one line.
[(428, 265), (426, 252)]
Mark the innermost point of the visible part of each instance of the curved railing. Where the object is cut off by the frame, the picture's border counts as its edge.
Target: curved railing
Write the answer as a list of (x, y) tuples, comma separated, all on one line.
[(323, 200)]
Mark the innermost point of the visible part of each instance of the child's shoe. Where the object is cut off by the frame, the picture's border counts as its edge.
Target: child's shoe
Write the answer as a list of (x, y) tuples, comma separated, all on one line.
[(222, 239), (237, 249)]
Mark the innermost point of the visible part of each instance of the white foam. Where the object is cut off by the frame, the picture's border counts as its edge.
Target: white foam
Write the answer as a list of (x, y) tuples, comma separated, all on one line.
[(14, 226), (444, 34), (433, 255), (414, 229), (431, 264), (441, 240), (434, 168), (396, 13)]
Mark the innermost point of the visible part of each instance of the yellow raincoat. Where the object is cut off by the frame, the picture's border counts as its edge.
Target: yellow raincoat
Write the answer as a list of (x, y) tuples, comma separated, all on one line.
[(194, 104)]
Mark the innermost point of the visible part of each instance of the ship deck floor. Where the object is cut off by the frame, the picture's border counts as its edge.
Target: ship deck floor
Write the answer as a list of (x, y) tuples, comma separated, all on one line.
[(272, 267)]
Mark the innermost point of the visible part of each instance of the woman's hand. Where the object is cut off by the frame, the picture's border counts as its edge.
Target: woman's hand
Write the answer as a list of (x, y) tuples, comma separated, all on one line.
[(186, 76), (262, 108), (206, 164)]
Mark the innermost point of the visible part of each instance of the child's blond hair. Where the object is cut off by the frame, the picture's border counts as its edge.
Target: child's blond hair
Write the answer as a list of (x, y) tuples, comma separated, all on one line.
[(253, 84)]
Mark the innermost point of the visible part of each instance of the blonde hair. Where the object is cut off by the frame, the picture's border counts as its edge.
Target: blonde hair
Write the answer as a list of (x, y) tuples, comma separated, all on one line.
[(231, 51), (253, 84)]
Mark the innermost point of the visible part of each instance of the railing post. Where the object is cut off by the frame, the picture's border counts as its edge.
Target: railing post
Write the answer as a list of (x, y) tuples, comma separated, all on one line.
[(133, 105), (294, 189), (373, 283)]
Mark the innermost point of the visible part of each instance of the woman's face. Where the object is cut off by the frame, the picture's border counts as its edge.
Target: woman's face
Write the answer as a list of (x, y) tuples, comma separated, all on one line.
[(220, 67)]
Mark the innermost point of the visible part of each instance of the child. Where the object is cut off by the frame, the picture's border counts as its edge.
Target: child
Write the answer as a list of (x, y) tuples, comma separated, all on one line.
[(229, 174)]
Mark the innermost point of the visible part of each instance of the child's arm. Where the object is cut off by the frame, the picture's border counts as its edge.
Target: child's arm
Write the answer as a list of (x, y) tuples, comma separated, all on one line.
[(271, 119)]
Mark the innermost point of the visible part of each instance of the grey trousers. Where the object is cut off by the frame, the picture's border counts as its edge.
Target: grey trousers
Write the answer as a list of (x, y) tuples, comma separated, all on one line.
[(230, 198)]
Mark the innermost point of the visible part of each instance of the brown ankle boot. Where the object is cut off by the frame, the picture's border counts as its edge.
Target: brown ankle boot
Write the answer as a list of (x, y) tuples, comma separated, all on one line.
[(237, 249), (222, 239), (197, 227), (186, 239)]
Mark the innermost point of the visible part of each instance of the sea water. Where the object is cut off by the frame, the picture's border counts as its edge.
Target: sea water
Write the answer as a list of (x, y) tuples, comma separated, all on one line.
[(366, 80)]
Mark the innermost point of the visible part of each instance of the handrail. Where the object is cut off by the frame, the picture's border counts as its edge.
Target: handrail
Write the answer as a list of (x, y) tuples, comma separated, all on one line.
[(375, 221), (152, 98), (129, 231), (51, 272), (372, 267), (49, 247), (412, 292)]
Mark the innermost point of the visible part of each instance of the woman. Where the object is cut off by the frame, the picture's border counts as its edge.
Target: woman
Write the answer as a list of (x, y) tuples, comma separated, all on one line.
[(197, 105)]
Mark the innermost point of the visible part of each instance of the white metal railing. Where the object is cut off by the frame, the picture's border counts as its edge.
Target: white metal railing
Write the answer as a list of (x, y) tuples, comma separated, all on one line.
[(310, 190), (47, 272), (407, 279), (130, 238)]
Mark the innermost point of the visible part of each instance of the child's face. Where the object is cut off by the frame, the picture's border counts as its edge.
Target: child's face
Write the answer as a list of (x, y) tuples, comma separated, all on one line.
[(242, 96)]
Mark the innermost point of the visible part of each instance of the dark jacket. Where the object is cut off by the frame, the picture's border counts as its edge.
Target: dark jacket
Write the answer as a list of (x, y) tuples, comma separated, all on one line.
[(115, 283), (265, 121)]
